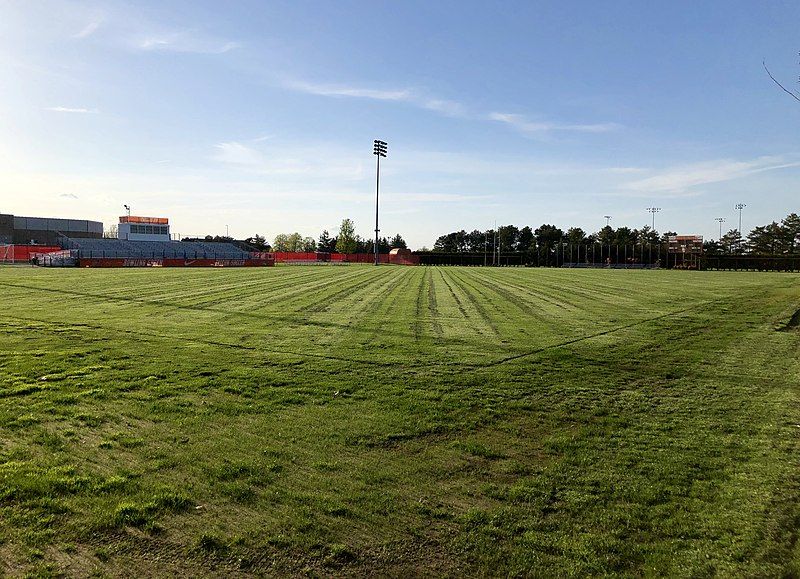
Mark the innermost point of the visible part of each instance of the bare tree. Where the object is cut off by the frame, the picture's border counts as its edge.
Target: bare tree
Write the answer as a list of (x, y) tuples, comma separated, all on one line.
[(793, 94)]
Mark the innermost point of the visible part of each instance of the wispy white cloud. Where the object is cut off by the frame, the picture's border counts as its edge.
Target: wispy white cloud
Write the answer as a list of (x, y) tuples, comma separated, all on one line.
[(68, 196), (71, 110), (331, 90), (522, 124), (685, 179), (413, 97), (439, 197), (446, 107), (183, 41), (90, 28), (287, 161), (625, 170), (135, 30), (451, 108), (234, 153)]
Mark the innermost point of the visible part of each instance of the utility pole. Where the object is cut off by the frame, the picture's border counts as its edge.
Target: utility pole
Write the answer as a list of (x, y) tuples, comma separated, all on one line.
[(379, 150)]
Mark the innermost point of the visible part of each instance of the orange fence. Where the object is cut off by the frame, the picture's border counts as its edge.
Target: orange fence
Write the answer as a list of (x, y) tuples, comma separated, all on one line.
[(23, 253)]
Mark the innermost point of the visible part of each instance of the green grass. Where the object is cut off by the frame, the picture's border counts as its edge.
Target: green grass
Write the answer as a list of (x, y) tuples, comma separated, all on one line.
[(399, 421)]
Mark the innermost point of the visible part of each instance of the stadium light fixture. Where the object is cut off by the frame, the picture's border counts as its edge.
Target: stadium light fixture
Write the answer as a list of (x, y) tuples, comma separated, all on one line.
[(128, 209), (720, 220), (379, 150)]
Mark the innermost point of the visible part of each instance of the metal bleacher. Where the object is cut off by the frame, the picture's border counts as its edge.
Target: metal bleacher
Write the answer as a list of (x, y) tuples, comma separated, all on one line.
[(119, 248)]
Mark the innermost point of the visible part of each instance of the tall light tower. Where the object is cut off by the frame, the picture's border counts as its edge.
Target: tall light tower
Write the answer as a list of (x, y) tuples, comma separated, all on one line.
[(128, 209), (720, 220), (379, 150), (608, 222), (653, 211), (739, 207)]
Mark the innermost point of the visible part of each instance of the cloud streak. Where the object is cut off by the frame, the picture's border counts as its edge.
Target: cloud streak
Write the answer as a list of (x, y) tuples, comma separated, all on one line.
[(183, 41), (134, 30), (445, 107), (523, 125), (291, 163), (409, 96), (90, 28), (82, 111), (684, 180)]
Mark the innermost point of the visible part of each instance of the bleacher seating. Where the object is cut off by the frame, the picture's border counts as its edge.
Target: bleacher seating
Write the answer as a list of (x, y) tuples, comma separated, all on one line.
[(118, 248)]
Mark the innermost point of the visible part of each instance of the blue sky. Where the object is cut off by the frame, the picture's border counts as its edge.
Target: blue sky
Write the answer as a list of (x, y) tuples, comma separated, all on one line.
[(261, 115)]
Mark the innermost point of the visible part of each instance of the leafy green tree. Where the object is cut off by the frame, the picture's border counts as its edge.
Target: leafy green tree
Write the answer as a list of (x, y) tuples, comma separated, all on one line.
[(507, 237), (476, 241), (606, 235), (548, 240), (398, 242), (624, 236), (455, 242), (308, 244), (791, 229), (576, 236), (295, 242), (729, 241), (648, 236), (524, 240), (258, 242), (281, 242), (347, 241)]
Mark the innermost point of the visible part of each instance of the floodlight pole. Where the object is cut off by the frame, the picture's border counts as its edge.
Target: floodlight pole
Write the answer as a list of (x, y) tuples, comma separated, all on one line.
[(720, 220), (608, 222), (740, 206), (653, 211), (379, 150)]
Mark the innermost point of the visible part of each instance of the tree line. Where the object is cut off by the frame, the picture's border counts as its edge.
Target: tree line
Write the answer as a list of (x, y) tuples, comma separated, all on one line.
[(773, 239), (345, 241), (542, 242)]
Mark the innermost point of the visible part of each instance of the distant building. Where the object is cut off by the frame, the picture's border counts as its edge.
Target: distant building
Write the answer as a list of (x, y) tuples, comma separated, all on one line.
[(15, 230), (134, 228)]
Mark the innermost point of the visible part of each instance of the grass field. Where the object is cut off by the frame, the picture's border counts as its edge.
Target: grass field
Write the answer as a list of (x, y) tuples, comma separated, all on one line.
[(401, 421)]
